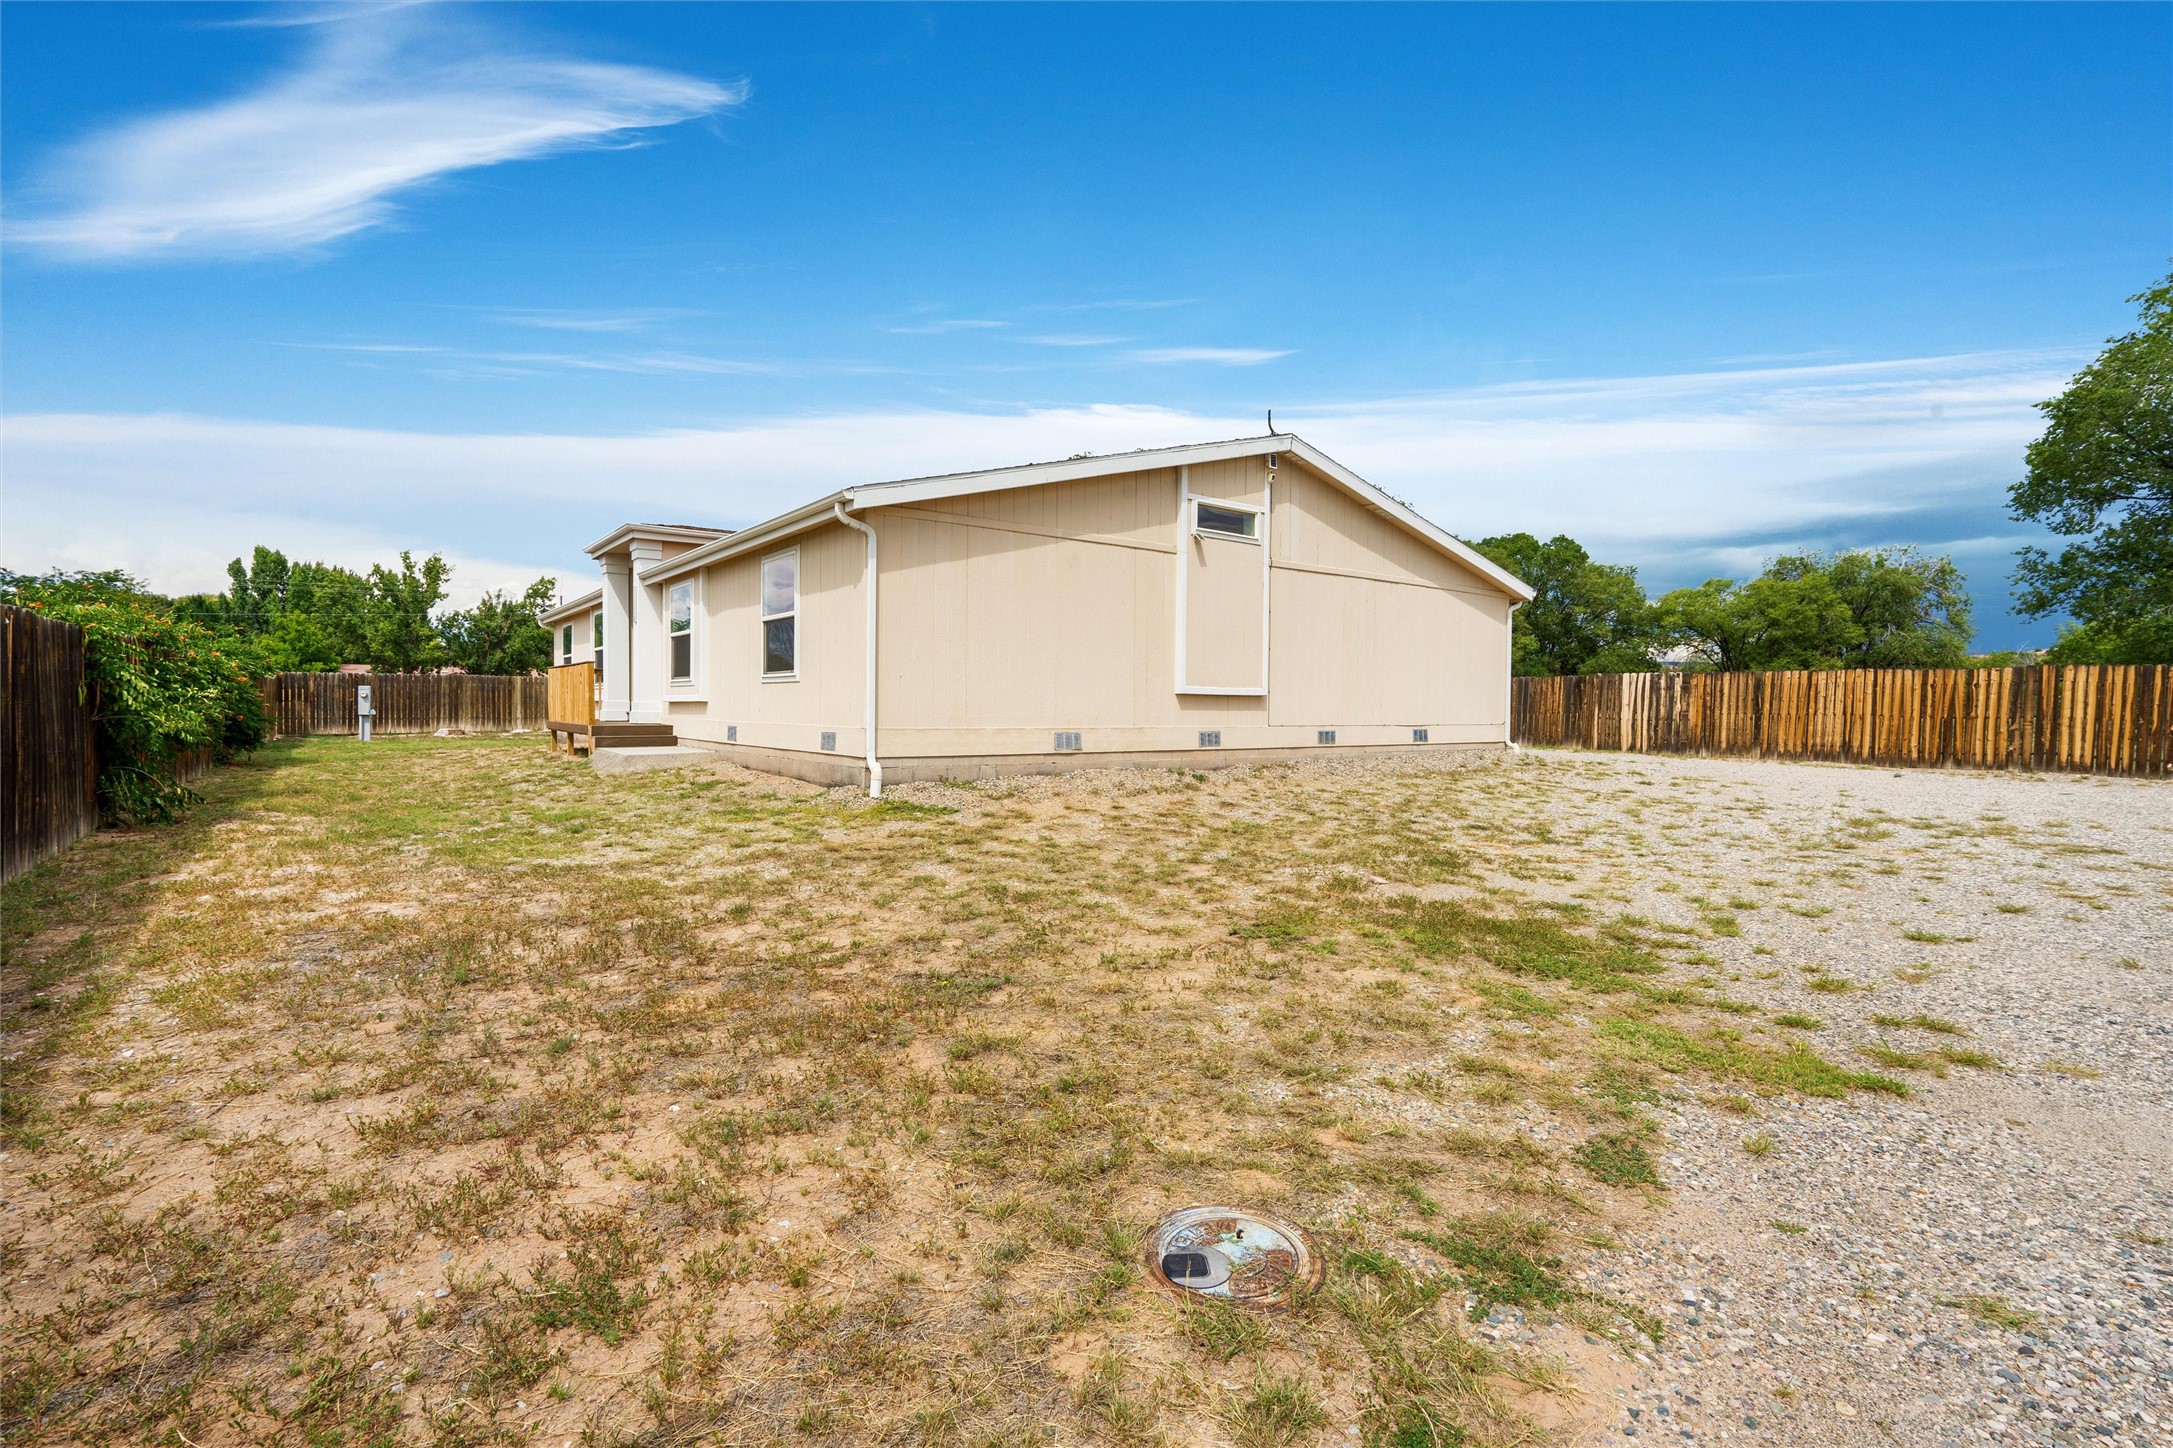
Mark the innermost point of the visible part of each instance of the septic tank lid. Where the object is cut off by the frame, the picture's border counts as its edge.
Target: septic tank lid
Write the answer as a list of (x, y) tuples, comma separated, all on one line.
[(1232, 1254)]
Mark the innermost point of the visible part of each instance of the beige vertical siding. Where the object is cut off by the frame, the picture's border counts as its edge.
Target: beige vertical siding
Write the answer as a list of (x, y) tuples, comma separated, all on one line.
[(784, 714), (1010, 615), (1225, 613)]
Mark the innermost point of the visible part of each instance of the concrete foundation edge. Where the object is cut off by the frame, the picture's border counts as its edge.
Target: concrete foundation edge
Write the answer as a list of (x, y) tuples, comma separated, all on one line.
[(831, 769)]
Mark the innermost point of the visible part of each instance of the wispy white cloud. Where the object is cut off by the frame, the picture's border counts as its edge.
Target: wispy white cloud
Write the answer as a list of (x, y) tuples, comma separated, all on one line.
[(1220, 356), (1694, 471), (650, 363), (379, 103), (454, 361), (948, 324), (360, 346), (1074, 339), (561, 320), (1118, 304)]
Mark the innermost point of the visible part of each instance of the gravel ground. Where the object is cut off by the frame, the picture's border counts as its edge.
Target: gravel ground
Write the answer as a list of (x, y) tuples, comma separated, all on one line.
[(1986, 1261)]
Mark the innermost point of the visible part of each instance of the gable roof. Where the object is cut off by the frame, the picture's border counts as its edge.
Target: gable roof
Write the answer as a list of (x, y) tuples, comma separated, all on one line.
[(572, 607), (667, 532), (991, 480)]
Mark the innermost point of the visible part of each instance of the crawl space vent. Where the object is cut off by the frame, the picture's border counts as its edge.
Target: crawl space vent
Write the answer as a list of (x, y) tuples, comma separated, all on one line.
[(1325, 736), (1069, 739), (829, 739), (1210, 739)]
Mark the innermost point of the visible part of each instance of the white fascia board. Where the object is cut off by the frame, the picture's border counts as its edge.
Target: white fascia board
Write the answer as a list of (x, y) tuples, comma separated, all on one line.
[(761, 535), (1033, 475), (961, 485), (1455, 547), (574, 607), (668, 532)]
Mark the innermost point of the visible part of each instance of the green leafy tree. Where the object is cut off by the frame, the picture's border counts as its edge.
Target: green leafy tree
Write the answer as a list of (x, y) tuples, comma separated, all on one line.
[(1875, 608), (304, 616), (325, 622), (1769, 622), (257, 595), (1913, 612), (1584, 617), (160, 686), (396, 614), (2102, 473), (500, 634)]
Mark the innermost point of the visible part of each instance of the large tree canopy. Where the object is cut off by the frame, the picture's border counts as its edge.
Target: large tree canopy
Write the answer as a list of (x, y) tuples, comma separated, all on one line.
[(1584, 618), (1877, 608), (2102, 473), (500, 634)]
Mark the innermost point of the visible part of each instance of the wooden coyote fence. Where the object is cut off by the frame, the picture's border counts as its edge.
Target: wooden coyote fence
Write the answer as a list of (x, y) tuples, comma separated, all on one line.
[(2098, 719), (51, 783), (405, 703)]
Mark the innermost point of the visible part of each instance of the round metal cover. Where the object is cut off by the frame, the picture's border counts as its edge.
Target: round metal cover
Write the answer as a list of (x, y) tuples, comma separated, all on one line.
[(1233, 1254)]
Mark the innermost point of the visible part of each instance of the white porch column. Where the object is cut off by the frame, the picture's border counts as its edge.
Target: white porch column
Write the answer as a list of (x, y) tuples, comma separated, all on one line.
[(619, 588), (647, 700)]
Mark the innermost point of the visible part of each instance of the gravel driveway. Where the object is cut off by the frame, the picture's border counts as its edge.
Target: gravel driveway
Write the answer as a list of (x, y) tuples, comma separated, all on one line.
[(1986, 1261)]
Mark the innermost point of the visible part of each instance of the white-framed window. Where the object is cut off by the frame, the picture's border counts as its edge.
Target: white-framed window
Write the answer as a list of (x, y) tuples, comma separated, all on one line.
[(1218, 519), (781, 615), (565, 644), (679, 631), (599, 646)]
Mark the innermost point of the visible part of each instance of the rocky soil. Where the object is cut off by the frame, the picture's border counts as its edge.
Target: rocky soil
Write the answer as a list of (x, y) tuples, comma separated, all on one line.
[(1986, 1261)]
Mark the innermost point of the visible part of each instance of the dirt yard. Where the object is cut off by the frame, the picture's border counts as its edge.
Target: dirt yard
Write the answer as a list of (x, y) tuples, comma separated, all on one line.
[(441, 1091)]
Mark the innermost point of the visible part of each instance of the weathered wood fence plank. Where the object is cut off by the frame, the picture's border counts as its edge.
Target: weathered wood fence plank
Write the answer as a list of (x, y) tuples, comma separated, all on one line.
[(2081, 718), (406, 703), (51, 786)]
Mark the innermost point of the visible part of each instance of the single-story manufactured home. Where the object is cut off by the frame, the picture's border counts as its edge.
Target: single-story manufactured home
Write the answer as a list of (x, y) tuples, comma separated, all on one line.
[(1224, 602)]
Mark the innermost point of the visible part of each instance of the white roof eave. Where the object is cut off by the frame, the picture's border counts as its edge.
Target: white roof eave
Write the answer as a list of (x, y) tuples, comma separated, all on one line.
[(573, 607), (959, 485)]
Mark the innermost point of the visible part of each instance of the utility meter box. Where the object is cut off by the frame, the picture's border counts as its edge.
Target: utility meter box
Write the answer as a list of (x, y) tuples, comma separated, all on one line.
[(365, 711)]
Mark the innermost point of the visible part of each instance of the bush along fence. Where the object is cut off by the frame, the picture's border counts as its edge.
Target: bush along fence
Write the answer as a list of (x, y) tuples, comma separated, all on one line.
[(49, 717), (2087, 718), (406, 703)]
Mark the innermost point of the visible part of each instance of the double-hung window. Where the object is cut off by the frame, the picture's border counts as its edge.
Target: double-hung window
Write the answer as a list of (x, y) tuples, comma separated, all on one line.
[(565, 644), (1225, 520), (679, 628), (781, 615), (599, 647)]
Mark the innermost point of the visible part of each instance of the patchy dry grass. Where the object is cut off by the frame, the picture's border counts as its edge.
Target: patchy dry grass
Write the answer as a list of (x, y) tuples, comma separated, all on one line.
[(442, 1091)]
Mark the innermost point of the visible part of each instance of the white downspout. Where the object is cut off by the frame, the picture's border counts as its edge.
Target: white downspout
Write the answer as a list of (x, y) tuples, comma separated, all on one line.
[(1509, 701), (875, 766)]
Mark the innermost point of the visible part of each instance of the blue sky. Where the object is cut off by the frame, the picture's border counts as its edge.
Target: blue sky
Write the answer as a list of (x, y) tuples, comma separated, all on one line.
[(1693, 284)]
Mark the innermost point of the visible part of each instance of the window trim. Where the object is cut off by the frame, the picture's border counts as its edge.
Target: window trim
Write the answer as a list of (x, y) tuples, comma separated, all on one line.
[(764, 617), (680, 683), (596, 655), (565, 644), (1199, 531)]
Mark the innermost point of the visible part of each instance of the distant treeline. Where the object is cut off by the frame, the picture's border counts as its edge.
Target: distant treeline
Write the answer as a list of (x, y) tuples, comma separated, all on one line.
[(305, 617), (1879, 608)]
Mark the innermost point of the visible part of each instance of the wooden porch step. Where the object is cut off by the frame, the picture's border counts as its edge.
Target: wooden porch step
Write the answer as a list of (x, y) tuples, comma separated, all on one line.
[(628, 736)]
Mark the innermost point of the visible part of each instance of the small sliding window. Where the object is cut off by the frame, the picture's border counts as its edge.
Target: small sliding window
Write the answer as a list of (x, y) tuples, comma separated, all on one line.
[(1225, 520)]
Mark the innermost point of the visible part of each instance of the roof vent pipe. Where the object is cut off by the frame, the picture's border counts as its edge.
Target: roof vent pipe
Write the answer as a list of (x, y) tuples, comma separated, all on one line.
[(875, 766)]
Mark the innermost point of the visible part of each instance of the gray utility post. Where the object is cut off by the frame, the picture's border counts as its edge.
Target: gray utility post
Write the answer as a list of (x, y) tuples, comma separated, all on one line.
[(364, 711)]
